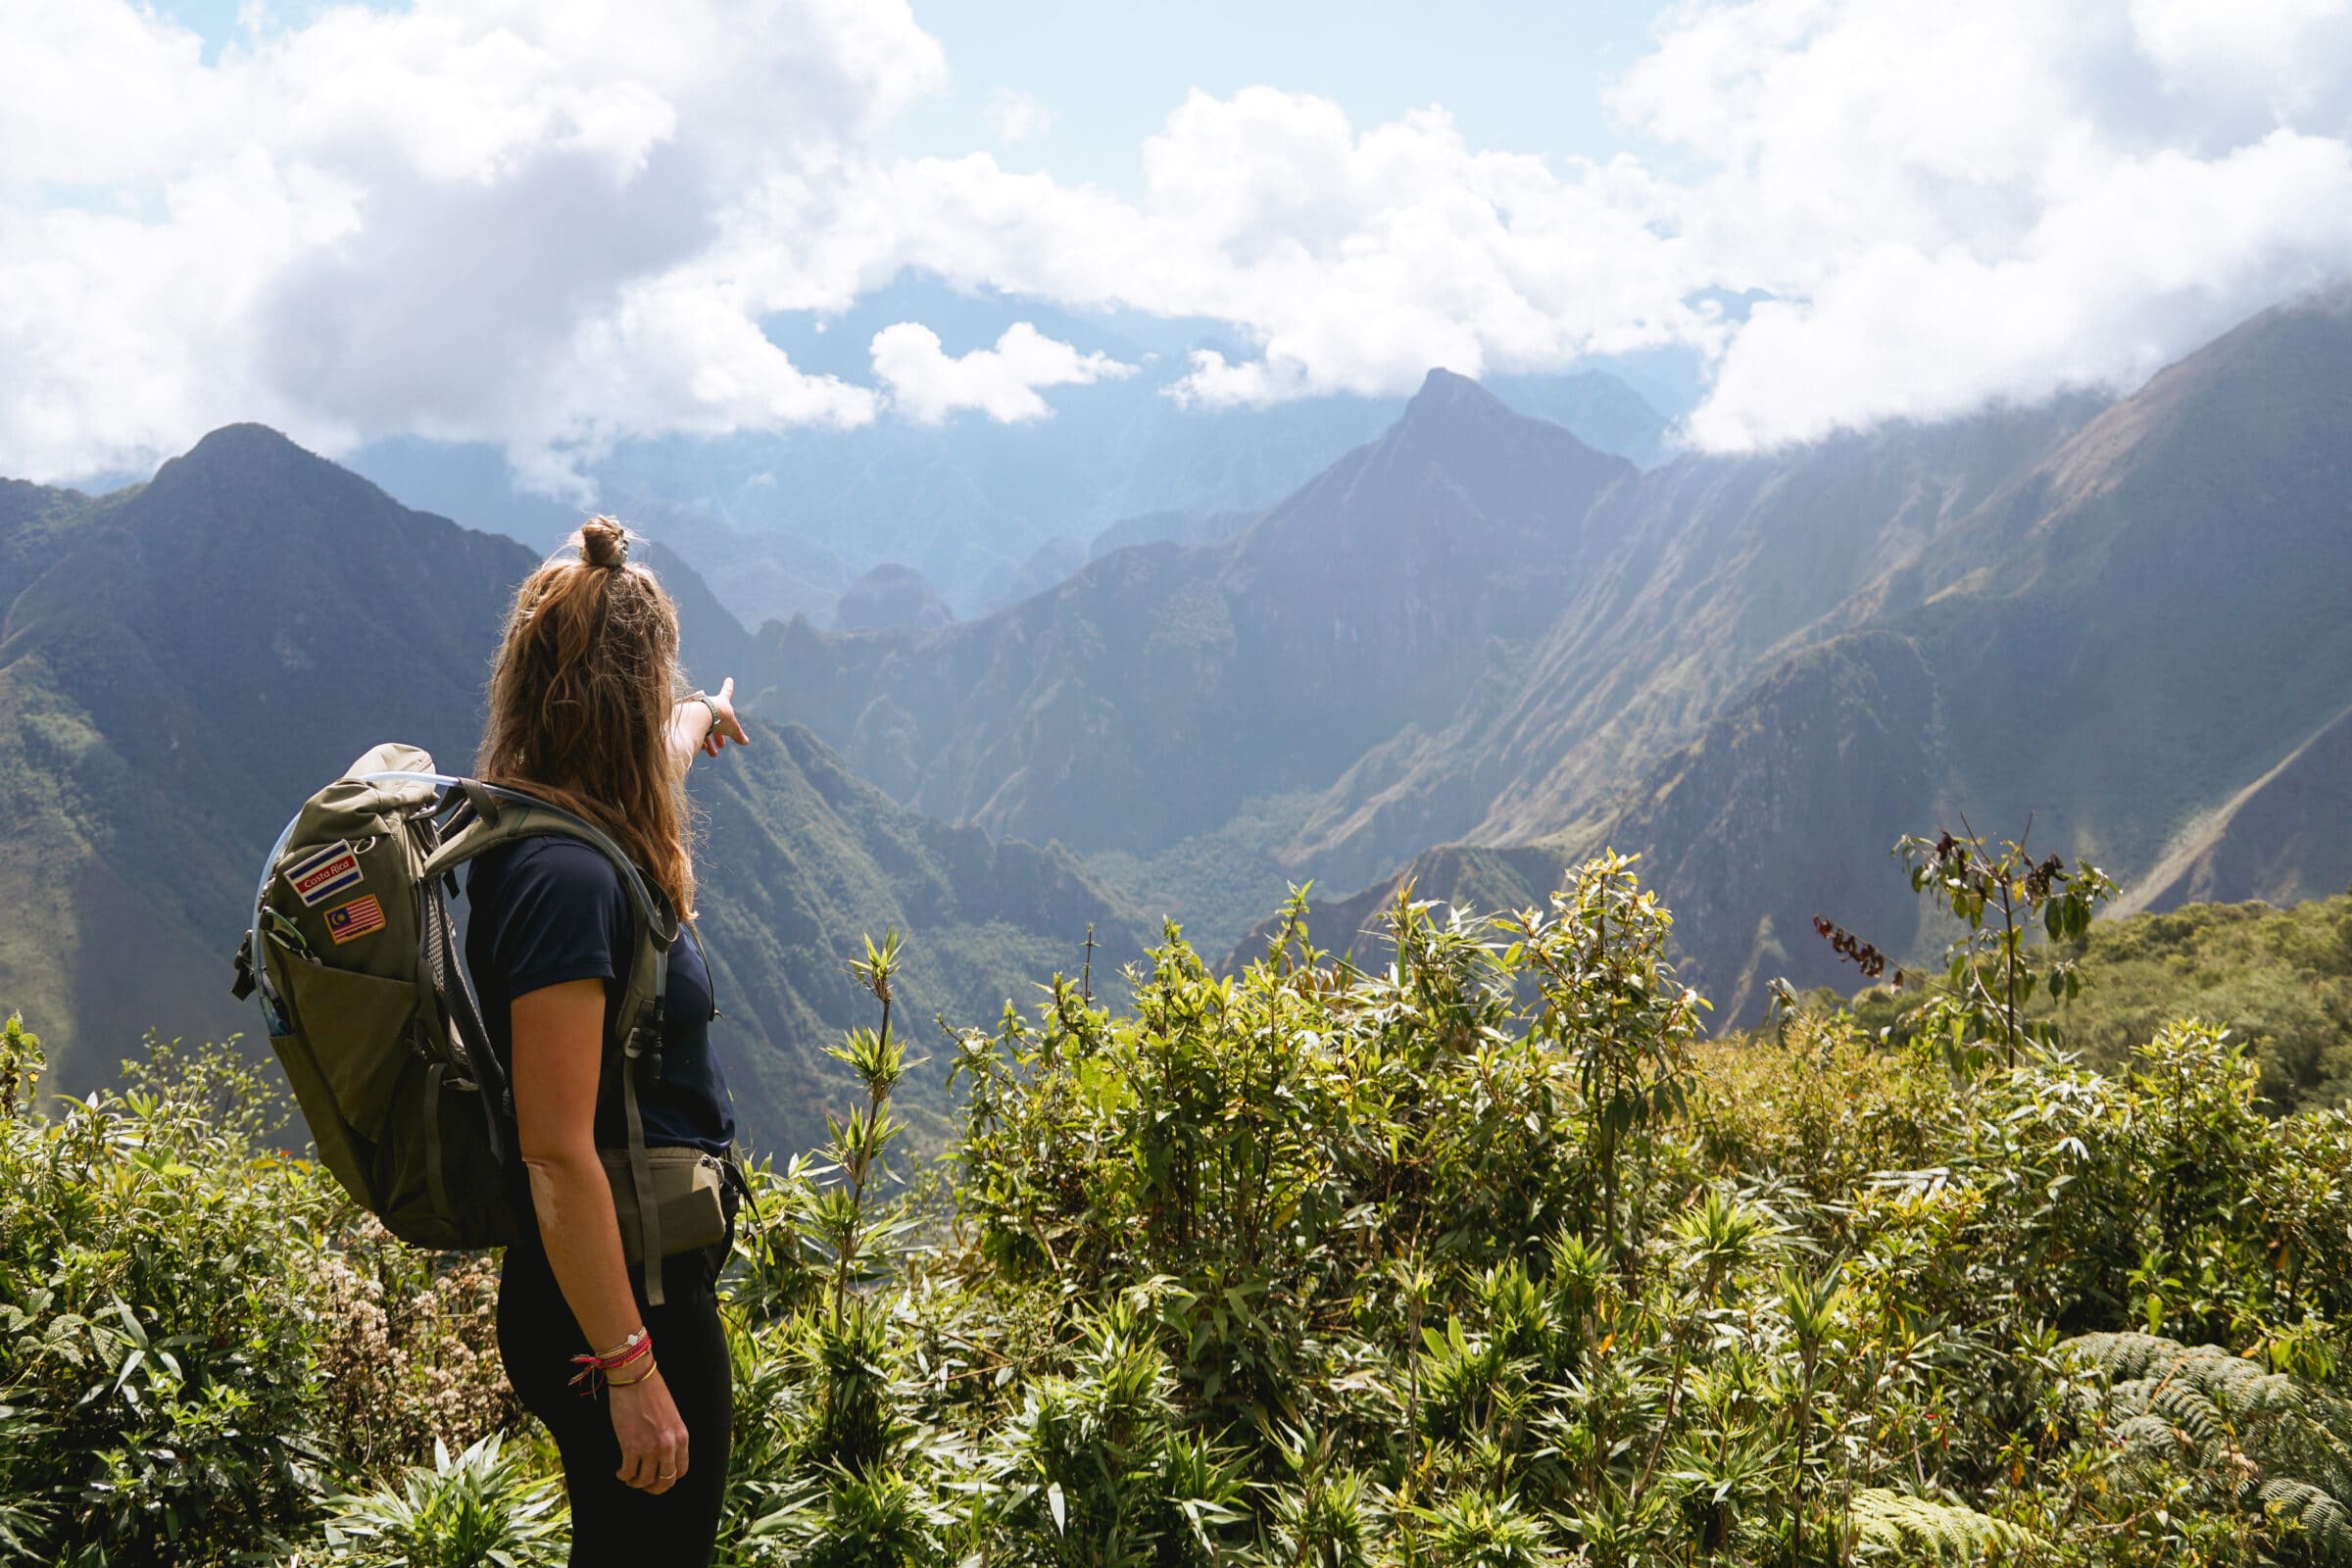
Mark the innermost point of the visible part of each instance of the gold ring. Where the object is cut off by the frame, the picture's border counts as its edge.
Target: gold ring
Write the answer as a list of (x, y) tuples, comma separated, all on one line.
[(665, 1475)]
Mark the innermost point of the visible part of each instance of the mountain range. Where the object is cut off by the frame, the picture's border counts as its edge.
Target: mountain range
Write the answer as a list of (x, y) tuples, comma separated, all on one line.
[(182, 662), (986, 513), (1475, 650), (1463, 654)]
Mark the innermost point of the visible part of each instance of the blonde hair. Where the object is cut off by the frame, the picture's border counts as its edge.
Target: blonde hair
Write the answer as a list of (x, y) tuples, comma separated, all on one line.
[(580, 697)]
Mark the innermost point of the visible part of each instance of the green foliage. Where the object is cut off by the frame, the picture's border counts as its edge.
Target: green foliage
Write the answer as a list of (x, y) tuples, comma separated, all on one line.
[(2280, 980), (2231, 1430), (1983, 1001), (1476, 1256), (1893, 1526), (194, 1340), (484, 1507)]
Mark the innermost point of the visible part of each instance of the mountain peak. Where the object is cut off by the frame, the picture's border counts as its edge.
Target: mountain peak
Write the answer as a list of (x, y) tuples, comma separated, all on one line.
[(244, 455), (248, 440), (1453, 420), (247, 486), (1442, 392)]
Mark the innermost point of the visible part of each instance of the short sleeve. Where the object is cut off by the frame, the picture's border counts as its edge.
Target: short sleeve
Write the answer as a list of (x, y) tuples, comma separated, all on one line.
[(564, 918)]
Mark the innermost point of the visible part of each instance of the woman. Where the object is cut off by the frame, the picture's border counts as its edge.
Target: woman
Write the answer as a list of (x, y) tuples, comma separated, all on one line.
[(583, 712)]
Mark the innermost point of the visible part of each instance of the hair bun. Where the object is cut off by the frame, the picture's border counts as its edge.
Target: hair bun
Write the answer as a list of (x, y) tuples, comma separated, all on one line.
[(603, 543)]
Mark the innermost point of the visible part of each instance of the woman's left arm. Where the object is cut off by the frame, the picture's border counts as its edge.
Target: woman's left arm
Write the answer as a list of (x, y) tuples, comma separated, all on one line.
[(704, 722)]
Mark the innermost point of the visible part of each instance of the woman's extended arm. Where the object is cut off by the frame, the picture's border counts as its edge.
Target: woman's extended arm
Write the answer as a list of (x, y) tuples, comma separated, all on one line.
[(705, 723), (559, 1048)]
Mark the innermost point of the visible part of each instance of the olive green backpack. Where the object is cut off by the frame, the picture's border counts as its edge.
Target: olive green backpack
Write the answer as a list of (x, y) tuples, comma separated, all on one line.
[(364, 994)]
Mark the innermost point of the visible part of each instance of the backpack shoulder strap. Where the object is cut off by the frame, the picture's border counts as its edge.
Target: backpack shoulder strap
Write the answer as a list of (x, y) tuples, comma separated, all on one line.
[(636, 1038), (492, 815)]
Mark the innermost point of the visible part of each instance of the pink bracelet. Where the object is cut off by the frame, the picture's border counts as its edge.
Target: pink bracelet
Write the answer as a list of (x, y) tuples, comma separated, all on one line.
[(596, 1370)]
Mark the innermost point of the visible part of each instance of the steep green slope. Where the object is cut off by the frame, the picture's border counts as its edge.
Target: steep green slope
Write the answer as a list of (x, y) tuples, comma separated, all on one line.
[(1783, 806), (177, 676), (1475, 627), (2138, 644), (1701, 572), (2173, 622), (804, 861), (2279, 979), (2281, 838), (184, 661)]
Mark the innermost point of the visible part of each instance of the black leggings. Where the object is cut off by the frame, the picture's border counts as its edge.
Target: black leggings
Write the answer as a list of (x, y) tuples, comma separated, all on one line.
[(612, 1521)]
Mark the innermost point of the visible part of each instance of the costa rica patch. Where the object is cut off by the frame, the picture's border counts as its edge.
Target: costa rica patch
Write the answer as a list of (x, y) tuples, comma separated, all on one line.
[(355, 919), (325, 872)]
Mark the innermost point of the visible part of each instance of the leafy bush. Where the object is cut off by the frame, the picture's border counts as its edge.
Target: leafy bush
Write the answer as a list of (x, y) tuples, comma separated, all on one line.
[(2279, 979), (483, 1506), (1481, 1256), (198, 1339)]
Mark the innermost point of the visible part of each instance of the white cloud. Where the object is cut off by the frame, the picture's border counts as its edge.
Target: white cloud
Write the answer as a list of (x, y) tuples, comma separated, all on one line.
[(1012, 115), (927, 384), (554, 224), (1946, 204), (2162, 254), (1355, 259), (1957, 205), (485, 219)]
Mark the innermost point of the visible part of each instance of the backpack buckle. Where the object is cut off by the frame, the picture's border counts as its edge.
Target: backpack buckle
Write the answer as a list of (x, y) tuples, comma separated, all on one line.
[(242, 986)]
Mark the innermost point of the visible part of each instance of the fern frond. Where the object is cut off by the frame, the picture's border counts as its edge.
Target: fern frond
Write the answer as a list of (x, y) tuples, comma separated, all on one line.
[(2271, 1439), (1909, 1528), (2319, 1524)]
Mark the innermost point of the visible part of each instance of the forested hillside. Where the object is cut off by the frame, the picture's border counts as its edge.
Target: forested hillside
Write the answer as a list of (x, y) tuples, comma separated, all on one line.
[(1475, 643), (183, 663), (2278, 979)]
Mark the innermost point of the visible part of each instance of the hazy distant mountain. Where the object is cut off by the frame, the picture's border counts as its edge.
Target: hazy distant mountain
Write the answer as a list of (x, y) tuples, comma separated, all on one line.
[(1474, 617), (1172, 527), (891, 595), (1159, 689), (782, 522), (180, 664)]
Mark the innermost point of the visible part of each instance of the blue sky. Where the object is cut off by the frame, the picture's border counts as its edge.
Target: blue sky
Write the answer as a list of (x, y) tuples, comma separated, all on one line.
[(1515, 77)]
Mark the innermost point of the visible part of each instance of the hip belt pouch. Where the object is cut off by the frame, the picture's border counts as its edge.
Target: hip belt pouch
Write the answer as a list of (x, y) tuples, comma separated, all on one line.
[(689, 1185)]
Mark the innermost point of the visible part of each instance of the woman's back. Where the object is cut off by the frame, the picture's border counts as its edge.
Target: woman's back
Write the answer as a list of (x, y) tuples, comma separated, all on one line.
[(545, 911)]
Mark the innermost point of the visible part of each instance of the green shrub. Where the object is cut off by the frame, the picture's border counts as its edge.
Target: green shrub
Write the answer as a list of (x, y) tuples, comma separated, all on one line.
[(1478, 1257), (483, 1506), (198, 1339)]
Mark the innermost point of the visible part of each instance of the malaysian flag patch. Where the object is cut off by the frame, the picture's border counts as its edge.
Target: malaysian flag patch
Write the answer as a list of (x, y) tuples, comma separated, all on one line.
[(325, 872), (355, 919)]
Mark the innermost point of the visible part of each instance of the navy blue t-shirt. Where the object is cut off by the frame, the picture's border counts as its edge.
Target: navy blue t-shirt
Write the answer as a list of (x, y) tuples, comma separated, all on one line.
[(546, 910)]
